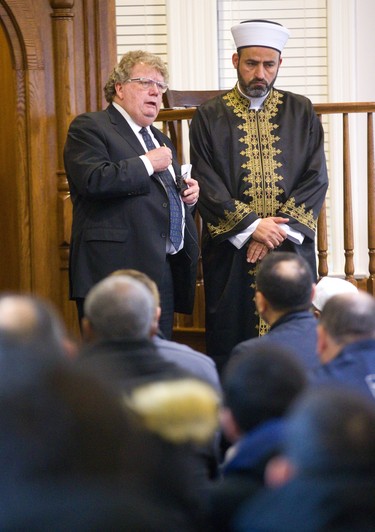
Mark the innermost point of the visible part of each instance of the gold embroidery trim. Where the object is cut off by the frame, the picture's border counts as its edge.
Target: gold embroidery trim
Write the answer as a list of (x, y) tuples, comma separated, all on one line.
[(230, 220), (299, 213), (263, 327), (259, 152)]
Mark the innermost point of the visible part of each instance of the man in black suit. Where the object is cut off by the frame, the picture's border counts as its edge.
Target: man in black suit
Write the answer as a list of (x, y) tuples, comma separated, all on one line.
[(117, 163)]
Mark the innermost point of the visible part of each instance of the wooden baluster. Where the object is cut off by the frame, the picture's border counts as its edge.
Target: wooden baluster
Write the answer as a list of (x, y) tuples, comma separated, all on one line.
[(199, 314), (180, 147), (322, 244), (348, 213), (322, 237), (371, 202), (173, 134)]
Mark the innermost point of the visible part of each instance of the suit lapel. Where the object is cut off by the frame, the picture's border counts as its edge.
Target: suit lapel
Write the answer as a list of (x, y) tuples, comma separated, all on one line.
[(122, 127)]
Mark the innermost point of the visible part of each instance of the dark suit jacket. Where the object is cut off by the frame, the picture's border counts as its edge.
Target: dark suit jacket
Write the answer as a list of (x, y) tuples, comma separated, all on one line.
[(353, 367), (120, 214), (296, 332), (128, 363), (200, 365)]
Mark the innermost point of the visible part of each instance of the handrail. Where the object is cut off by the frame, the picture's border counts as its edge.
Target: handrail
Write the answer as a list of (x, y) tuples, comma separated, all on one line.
[(186, 113), (344, 107), (169, 115)]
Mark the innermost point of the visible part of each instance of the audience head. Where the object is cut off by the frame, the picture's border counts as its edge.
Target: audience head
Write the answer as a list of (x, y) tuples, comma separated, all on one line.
[(328, 287), (55, 419), (284, 283), (124, 70), (345, 318), (74, 457), (118, 308), (331, 429), (183, 410), (150, 285), (258, 386), (31, 320)]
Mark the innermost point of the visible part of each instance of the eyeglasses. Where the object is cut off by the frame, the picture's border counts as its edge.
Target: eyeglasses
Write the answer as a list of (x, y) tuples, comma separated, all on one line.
[(147, 83)]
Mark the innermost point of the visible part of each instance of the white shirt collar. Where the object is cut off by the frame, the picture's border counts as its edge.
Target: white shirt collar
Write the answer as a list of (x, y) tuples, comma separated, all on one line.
[(135, 127)]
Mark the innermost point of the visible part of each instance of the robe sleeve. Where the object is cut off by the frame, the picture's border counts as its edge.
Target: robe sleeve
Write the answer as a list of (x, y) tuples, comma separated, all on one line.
[(303, 204)]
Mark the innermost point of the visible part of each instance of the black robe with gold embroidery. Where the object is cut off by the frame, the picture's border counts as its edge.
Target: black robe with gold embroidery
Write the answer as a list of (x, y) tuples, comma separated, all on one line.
[(252, 164)]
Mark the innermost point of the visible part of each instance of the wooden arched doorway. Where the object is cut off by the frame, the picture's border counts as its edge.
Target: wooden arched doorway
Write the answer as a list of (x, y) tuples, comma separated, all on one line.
[(9, 212), (54, 58), (15, 270)]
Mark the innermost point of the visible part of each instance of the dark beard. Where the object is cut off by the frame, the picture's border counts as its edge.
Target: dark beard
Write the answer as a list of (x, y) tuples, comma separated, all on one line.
[(254, 92), (250, 89)]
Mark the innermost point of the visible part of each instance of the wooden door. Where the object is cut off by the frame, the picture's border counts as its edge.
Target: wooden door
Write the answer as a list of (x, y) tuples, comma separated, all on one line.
[(55, 56), (10, 212)]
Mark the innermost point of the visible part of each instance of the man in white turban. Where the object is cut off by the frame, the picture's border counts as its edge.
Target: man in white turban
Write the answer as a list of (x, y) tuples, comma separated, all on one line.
[(327, 288), (258, 154)]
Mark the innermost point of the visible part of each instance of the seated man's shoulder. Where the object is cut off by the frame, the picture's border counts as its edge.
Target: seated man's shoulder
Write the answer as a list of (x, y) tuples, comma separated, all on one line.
[(247, 345), (164, 345), (183, 355)]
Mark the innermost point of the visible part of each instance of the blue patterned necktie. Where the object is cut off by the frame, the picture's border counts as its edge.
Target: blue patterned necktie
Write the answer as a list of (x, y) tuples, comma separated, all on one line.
[(175, 207)]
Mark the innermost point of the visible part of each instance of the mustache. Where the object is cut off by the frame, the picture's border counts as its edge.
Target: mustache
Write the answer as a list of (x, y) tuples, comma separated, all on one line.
[(258, 82)]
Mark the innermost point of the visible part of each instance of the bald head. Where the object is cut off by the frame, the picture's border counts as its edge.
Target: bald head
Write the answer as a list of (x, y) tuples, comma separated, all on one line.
[(120, 308), (285, 279), (18, 314), (29, 319), (144, 279)]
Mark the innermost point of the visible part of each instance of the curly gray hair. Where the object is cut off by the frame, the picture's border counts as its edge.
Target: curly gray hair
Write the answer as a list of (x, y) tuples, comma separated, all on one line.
[(123, 70)]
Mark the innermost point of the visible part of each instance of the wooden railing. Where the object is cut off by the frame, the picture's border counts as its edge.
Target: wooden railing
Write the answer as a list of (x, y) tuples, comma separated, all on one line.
[(345, 110), (173, 121)]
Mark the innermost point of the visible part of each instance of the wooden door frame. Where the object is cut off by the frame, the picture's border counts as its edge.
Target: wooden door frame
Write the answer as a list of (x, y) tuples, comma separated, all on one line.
[(62, 52), (24, 57)]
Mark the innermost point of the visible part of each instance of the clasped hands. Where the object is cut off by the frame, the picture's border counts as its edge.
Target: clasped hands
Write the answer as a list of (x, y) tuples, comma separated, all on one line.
[(267, 236), (161, 158)]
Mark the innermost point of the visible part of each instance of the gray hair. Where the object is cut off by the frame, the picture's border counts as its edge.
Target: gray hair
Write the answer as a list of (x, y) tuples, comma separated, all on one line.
[(120, 308), (349, 317), (123, 71)]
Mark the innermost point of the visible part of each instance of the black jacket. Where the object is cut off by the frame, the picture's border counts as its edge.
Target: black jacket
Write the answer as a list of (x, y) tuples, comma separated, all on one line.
[(120, 214)]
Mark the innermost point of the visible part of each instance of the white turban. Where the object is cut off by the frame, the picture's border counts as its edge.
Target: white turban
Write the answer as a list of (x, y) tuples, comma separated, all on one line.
[(328, 287), (260, 33)]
